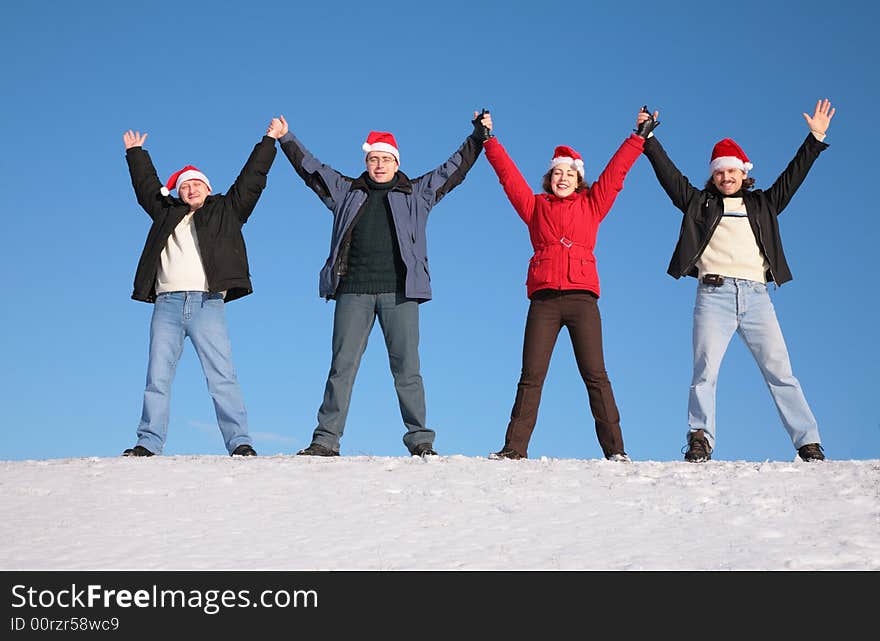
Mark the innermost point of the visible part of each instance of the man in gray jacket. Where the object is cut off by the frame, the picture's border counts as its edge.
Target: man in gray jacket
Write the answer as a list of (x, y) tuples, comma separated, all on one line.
[(377, 268)]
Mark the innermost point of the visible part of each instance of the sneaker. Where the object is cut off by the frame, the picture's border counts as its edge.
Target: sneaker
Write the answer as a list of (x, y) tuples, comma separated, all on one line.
[(698, 450), (506, 453), (137, 450), (620, 457), (423, 450), (811, 452), (317, 450), (243, 450)]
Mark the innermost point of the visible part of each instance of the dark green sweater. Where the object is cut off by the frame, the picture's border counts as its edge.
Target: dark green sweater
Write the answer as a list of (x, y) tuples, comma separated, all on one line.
[(374, 262)]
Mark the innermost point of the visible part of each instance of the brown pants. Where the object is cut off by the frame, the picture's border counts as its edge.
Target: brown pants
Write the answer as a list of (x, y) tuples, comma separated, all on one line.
[(549, 312)]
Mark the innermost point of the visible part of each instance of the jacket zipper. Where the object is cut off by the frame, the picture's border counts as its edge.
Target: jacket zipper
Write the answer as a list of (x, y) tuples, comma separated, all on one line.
[(760, 240), (699, 253)]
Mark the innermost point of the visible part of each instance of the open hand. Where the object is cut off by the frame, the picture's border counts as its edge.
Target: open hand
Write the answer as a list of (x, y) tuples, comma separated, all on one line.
[(133, 139), (821, 117)]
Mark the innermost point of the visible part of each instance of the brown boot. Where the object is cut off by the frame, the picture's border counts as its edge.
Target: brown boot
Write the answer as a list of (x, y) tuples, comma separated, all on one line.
[(698, 448)]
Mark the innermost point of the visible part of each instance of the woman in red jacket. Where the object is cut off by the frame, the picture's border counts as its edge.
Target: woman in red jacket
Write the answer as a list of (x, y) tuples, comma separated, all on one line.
[(562, 283)]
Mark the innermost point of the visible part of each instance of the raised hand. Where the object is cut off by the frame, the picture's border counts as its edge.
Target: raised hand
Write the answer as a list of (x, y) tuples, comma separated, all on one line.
[(646, 122), (482, 123), (821, 117), (133, 139), (277, 128)]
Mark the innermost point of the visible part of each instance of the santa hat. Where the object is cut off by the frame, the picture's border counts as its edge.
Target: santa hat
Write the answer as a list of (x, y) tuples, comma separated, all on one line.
[(568, 156), (382, 141), (728, 155), (187, 173)]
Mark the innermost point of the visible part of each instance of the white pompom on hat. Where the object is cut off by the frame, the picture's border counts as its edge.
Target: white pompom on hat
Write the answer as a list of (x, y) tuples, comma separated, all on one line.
[(728, 155), (187, 173), (567, 156), (382, 141)]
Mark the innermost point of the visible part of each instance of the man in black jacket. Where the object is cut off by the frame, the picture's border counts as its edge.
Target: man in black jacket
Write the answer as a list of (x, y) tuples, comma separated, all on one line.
[(193, 262), (730, 242)]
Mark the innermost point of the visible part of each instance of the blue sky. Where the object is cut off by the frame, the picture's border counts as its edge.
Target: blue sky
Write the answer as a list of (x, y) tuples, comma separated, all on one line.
[(204, 79)]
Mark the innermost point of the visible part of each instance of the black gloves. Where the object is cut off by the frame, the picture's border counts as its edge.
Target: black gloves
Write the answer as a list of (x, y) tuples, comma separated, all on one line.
[(648, 126), (481, 133)]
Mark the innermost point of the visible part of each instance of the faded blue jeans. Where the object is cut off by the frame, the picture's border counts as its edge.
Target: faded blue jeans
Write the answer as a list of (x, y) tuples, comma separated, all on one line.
[(201, 317), (744, 306), (353, 319)]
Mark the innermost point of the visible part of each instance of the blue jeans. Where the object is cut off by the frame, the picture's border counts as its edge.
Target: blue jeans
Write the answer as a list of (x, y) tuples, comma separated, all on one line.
[(744, 306), (201, 317), (353, 319)]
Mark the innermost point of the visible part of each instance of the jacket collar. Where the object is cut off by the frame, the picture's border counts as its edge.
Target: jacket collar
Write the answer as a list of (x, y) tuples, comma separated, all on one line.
[(404, 184), (553, 198)]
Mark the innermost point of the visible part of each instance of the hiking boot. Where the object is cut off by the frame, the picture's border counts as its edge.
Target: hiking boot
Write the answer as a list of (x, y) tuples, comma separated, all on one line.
[(243, 450), (619, 457), (423, 450), (506, 453), (698, 450), (137, 450), (811, 452), (317, 450)]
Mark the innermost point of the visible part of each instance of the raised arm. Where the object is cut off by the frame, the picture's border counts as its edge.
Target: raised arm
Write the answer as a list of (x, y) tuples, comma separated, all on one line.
[(147, 187), (782, 191), (604, 191), (515, 186), (250, 183), (674, 183), (330, 185), (434, 185)]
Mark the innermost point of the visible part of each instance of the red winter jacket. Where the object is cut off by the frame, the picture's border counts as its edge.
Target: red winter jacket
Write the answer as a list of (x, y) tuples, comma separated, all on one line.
[(563, 230)]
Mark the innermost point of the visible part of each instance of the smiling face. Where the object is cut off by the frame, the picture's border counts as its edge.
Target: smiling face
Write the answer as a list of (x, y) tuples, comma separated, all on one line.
[(563, 180), (728, 181), (193, 193), (381, 166)]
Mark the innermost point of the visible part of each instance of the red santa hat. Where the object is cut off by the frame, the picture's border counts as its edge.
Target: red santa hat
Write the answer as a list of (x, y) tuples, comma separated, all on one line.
[(728, 155), (187, 173), (382, 141), (568, 156)]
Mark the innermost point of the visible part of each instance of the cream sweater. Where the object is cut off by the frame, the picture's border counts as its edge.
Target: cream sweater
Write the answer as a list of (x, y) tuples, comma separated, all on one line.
[(180, 264), (733, 250)]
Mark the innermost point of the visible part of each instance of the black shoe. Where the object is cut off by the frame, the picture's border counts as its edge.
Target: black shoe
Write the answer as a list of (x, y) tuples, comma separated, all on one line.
[(317, 450), (811, 452), (243, 450), (698, 450), (137, 450), (619, 457), (506, 453), (423, 449)]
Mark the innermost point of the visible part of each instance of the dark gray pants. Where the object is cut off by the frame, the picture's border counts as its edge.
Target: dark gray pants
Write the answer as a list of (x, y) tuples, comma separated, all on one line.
[(353, 320)]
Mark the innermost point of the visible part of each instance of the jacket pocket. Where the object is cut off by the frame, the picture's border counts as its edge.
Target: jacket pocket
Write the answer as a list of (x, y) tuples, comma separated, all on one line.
[(539, 270), (582, 269)]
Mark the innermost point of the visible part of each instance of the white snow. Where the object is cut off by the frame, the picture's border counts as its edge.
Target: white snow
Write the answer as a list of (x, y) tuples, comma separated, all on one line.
[(447, 513)]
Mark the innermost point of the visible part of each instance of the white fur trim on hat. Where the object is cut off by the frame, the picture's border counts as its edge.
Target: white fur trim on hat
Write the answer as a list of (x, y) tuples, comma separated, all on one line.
[(382, 146), (729, 162), (565, 160), (192, 174)]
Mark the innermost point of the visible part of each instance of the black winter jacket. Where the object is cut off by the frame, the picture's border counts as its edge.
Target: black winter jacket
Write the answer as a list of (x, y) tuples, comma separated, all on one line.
[(218, 223), (703, 209)]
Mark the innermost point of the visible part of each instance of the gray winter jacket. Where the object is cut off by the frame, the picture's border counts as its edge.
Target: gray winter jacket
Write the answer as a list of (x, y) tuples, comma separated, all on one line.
[(411, 201)]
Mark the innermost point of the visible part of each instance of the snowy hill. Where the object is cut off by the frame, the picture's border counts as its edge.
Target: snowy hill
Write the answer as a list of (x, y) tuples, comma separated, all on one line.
[(449, 513)]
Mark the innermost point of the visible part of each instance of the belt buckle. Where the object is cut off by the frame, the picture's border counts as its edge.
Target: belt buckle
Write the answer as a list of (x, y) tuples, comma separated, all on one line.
[(715, 280), (566, 242)]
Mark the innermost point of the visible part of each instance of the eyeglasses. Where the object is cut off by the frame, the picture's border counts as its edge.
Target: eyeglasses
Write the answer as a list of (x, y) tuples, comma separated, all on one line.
[(381, 160)]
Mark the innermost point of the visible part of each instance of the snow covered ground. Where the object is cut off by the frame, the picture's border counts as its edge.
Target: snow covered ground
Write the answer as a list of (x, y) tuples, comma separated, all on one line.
[(447, 513)]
